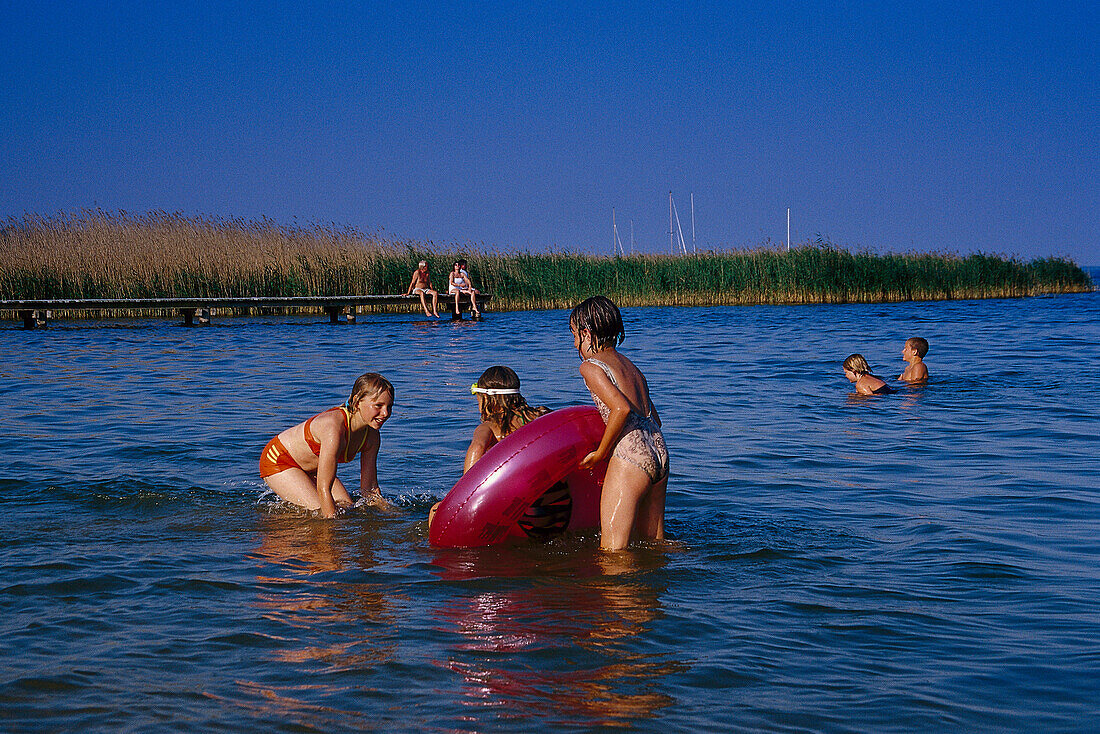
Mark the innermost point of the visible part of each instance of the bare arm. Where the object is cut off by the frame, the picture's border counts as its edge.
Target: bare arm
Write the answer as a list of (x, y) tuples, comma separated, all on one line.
[(600, 386), (482, 440), (412, 284), (368, 468), (330, 435)]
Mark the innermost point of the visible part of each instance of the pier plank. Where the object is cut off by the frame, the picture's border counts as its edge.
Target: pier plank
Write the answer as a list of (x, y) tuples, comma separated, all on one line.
[(36, 312)]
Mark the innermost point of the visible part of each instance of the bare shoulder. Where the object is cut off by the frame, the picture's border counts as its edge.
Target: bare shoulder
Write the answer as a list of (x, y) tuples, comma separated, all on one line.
[(329, 424), (484, 433)]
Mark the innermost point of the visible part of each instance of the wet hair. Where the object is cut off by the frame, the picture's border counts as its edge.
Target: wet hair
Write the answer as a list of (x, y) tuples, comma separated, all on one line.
[(504, 409), (919, 344), (602, 319), (367, 386), (856, 364)]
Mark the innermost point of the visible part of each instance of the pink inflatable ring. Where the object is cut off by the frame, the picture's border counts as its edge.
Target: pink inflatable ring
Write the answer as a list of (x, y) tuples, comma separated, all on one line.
[(528, 485)]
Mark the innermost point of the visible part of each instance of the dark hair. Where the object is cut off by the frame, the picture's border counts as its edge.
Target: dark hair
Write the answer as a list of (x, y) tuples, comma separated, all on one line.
[(602, 319), (919, 344), (504, 409)]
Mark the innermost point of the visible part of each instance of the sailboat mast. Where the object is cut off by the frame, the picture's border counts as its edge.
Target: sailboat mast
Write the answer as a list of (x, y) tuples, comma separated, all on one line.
[(669, 222), (693, 250)]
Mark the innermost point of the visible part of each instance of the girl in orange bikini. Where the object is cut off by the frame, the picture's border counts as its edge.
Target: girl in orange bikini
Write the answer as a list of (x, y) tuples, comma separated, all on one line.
[(300, 463)]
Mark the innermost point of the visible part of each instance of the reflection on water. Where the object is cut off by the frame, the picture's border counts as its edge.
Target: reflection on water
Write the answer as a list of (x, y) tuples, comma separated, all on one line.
[(925, 560), (328, 618), (557, 643)]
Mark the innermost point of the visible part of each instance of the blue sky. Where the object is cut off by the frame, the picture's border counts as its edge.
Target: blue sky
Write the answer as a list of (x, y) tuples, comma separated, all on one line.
[(931, 127)]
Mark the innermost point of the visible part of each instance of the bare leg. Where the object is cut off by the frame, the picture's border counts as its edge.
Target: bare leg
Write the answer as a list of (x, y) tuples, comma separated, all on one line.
[(624, 488), (296, 487), (435, 303), (424, 304), (650, 522), (457, 294), (299, 488), (473, 301)]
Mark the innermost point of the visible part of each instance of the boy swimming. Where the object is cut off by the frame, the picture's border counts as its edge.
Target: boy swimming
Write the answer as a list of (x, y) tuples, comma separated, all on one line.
[(913, 352)]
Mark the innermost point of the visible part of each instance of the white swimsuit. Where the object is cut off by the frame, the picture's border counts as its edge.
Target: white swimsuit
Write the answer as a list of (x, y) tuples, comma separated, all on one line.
[(641, 443)]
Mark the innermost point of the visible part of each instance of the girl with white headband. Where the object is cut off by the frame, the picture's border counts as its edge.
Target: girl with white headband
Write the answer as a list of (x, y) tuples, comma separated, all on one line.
[(503, 410)]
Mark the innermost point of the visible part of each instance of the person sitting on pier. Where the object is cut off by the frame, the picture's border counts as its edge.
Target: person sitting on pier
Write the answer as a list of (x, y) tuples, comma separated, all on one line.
[(299, 464), (913, 352), (459, 283), (421, 284), (858, 371)]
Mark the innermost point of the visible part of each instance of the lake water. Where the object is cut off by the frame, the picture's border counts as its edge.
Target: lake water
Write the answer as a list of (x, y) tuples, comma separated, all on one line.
[(923, 561)]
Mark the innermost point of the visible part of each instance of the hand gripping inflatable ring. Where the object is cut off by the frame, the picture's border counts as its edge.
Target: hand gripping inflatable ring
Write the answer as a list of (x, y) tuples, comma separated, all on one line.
[(528, 485)]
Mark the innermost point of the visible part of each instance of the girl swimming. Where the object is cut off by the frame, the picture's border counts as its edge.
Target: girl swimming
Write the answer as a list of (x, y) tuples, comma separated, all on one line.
[(858, 371), (300, 463), (633, 498)]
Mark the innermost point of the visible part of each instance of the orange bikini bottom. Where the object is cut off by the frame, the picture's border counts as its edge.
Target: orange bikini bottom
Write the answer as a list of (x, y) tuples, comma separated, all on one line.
[(275, 459)]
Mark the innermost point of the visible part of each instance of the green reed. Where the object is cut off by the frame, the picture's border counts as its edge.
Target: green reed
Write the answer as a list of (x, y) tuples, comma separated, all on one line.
[(97, 254)]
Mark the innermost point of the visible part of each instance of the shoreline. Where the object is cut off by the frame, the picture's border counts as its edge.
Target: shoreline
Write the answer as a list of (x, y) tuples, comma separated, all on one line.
[(100, 255)]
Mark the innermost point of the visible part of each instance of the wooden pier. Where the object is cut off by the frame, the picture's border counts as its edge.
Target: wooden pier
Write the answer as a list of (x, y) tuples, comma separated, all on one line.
[(197, 311)]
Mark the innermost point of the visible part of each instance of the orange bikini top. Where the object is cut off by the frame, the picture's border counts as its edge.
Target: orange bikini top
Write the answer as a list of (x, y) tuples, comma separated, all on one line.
[(315, 445)]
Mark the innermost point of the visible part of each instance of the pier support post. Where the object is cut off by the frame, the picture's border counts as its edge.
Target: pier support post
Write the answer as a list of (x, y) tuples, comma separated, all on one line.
[(34, 318), (196, 316), (335, 312), (30, 319)]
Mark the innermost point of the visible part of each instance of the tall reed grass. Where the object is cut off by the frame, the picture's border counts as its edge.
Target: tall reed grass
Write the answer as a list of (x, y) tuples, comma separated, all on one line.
[(98, 254)]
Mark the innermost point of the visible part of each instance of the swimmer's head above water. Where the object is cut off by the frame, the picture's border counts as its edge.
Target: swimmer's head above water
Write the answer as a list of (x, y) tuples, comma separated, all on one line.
[(499, 398), (857, 365), (601, 319), (368, 386)]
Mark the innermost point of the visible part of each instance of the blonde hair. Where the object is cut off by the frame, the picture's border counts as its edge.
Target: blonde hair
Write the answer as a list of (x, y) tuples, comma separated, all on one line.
[(506, 409), (856, 364), (366, 386)]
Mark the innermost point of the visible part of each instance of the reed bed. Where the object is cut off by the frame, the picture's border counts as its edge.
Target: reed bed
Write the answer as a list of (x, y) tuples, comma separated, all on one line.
[(98, 254)]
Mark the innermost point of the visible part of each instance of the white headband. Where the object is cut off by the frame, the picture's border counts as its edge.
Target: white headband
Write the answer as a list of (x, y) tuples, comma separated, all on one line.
[(474, 390)]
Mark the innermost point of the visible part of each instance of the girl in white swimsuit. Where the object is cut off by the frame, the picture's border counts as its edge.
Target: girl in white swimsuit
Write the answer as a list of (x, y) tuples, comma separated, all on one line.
[(632, 503)]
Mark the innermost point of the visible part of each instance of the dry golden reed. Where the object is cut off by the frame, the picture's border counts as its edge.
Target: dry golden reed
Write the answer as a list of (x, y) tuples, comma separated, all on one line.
[(98, 254)]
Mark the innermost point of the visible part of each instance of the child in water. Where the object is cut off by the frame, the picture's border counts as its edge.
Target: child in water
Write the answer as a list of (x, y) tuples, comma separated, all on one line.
[(633, 498), (858, 371), (503, 409), (300, 463), (913, 352)]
